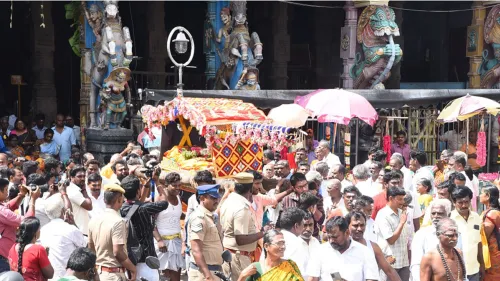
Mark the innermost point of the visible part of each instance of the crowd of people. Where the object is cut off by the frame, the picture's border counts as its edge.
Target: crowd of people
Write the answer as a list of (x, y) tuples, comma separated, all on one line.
[(391, 218)]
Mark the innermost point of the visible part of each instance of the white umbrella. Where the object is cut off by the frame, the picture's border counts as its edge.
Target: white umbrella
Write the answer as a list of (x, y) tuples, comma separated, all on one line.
[(288, 115)]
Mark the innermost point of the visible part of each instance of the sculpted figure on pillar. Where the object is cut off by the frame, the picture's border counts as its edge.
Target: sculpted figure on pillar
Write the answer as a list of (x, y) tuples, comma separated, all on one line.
[(376, 28), (114, 49), (490, 66), (238, 50)]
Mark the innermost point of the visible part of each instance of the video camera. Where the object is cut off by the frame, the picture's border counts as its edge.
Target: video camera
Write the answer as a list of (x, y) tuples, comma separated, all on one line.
[(150, 167)]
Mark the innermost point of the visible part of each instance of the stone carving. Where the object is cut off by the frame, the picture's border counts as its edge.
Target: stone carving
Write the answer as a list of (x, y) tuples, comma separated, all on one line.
[(113, 50), (238, 51), (249, 80), (112, 94), (376, 28), (490, 66)]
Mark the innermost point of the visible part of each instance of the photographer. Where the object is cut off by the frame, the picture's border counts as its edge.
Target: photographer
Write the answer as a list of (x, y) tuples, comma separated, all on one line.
[(10, 221), (140, 241)]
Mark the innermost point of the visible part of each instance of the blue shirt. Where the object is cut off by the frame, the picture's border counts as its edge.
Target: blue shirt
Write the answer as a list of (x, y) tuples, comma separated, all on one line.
[(39, 132), (3, 148), (51, 148), (65, 140)]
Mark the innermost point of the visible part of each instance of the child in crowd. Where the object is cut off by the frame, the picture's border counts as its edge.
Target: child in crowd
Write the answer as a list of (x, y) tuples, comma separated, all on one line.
[(424, 188)]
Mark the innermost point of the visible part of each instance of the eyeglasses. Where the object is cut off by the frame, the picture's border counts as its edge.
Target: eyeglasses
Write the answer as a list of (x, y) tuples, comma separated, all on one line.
[(280, 244), (451, 235)]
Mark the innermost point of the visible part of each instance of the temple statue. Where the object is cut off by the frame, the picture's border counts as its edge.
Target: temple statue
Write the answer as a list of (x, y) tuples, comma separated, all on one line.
[(376, 28), (238, 51), (490, 66), (249, 80), (112, 94), (112, 50)]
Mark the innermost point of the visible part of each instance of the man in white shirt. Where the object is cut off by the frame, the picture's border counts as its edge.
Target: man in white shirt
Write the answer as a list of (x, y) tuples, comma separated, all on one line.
[(453, 139), (292, 226), (59, 237), (426, 239), (40, 127), (362, 181), (397, 164), (457, 163), (80, 201), (324, 155), (70, 122), (310, 242), (342, 256), (338, 172), (94, 183), (392, 231), (418, 160)]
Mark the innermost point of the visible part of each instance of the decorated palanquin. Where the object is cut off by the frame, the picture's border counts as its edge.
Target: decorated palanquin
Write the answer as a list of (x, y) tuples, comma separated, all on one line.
[(225, 153), (231, 158)]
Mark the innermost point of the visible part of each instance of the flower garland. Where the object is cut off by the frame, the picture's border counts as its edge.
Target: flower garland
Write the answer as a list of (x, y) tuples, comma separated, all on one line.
[(347, 150), (387, 142), (481, 146), (263, 136)]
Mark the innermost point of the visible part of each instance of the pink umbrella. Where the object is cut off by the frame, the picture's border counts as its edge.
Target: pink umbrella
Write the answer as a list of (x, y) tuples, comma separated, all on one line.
[(338, 106)]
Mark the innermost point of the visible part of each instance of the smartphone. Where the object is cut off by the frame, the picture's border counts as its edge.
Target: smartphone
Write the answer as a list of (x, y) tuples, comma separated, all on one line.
[(136, 147), (336, 276)]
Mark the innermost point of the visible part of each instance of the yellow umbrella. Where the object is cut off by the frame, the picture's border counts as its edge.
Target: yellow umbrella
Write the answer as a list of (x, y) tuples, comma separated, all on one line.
[(465, 107)]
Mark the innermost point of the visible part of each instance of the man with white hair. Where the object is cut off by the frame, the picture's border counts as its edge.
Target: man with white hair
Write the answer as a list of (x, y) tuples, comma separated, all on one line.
[(397, 163), (59, 236), (361, 175), (426, 239), (324, 155), (322, 168)]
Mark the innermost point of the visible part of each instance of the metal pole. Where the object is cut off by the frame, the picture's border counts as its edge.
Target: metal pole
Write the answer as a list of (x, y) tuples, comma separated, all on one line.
[(490, 124), (357, 142)]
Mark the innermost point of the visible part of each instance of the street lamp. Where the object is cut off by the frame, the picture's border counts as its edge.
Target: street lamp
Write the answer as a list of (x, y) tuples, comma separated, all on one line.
[(181, 46)]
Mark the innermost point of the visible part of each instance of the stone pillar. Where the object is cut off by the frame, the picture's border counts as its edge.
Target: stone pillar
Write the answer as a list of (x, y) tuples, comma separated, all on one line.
[(475, 41), (84, 102), (281, 46), (44, 90), (157, 35), (394, 82), (348, 43)]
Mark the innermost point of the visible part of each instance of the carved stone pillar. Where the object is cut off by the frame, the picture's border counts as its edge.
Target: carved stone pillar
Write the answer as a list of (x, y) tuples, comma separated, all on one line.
[(475, 41), (44, 90), (157, 35), (84, 87), (281, 46), (348, 43)]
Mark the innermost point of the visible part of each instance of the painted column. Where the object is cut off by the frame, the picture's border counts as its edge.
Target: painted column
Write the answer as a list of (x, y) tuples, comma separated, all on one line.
[(156, 42), (84, 102), (209, 45), (475, 41), (281, 46), (348, 43), (44, 90)]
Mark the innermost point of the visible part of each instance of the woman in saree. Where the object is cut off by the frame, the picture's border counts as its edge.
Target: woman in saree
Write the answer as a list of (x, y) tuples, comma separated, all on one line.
[(490, 232), (274, 266), (26, 137)]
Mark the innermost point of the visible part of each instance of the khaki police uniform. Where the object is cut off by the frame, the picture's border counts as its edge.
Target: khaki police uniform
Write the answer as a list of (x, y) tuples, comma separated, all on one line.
[(202, 227), (105, 231), (237, 219)]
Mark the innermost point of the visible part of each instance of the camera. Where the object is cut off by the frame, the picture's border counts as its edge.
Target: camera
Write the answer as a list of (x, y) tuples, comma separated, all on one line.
[(33, 187), (149, 168)]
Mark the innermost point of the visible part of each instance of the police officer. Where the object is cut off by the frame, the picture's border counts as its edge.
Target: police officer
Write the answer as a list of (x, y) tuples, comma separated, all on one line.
[(238, 224), (206, 246)]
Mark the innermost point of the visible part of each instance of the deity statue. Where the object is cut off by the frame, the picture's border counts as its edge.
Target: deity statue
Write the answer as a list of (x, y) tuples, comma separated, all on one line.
[(93, 15), (376, 28), (249, 80), (112, 94), (240, 51), (490, 66), (115, 48)]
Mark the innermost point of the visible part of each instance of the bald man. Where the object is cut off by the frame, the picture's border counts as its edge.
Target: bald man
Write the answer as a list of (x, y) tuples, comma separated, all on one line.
[(333, 197)]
